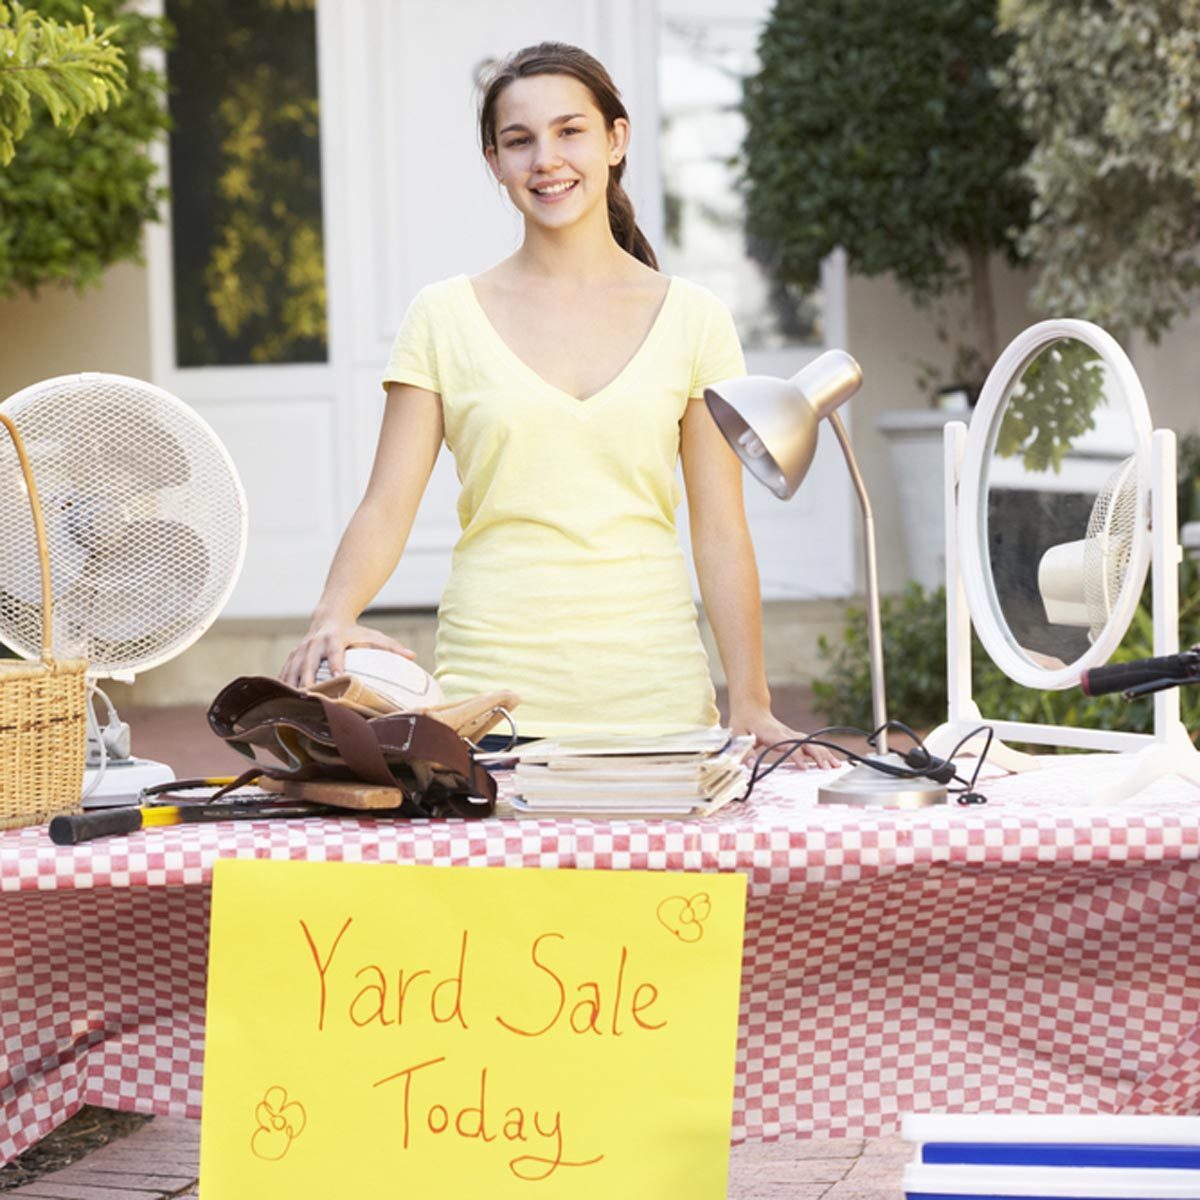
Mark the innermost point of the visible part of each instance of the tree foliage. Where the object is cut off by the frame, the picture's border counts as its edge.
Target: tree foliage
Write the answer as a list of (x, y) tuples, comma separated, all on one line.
[(266, 273), (75, 197), (877, 126), (1110, 91), (1052, 406), (73, 70)]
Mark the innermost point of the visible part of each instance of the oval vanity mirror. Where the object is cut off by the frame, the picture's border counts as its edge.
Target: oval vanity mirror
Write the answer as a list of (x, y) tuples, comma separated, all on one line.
[(1058, 498), (1054, 540)]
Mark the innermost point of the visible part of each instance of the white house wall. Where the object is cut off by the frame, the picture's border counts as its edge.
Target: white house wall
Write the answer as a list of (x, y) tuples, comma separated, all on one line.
[(105, 328)]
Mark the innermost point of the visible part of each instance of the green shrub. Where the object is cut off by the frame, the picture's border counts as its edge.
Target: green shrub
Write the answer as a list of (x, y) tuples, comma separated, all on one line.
[(914, 655), (1189, 478)]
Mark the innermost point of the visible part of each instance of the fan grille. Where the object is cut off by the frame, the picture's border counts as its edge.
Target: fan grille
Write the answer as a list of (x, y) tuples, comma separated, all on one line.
[(1109, 543), (144, 516)]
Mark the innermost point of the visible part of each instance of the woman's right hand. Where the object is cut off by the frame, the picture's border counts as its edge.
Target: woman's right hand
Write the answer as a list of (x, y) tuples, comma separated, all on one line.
[(330, 640)]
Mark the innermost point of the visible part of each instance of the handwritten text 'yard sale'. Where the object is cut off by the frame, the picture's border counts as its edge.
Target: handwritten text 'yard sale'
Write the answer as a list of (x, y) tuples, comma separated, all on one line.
[(362, 995)]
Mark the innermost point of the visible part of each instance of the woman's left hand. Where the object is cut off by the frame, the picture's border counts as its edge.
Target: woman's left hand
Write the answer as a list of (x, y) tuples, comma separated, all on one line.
[(768, 730)]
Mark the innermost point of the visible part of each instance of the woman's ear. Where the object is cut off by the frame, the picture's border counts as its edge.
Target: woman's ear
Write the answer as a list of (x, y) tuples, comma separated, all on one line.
[(618, 141), (493, 164)]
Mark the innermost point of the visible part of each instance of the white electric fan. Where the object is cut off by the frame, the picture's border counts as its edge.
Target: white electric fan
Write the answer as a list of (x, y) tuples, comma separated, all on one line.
[(146, 522), (1080, 582)]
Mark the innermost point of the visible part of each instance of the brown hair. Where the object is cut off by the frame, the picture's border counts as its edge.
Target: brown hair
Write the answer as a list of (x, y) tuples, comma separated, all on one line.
[(558, 58)]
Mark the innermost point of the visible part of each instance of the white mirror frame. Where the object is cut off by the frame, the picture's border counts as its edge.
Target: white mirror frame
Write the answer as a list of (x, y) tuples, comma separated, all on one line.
[(981, 440), (1169, 749)]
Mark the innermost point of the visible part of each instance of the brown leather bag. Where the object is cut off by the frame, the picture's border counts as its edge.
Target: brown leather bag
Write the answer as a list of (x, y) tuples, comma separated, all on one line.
[(316, 738)]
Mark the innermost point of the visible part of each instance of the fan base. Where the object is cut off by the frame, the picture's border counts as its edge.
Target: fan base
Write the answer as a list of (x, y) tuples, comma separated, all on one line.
[(124, 779)]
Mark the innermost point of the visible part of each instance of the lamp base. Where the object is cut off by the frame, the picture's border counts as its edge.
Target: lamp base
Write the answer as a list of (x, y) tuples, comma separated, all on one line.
[(864, 787)]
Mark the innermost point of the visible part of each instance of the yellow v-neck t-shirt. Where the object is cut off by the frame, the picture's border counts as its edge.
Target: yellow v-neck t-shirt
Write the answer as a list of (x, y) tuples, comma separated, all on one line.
[(568, 584)]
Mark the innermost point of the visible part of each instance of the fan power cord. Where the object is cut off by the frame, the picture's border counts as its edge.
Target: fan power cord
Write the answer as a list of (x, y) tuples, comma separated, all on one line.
[(919, 763), (111, 740), (94, 737)]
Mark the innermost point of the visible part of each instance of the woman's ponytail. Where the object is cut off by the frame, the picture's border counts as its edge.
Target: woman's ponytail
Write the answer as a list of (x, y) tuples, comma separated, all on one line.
[(622, 222)]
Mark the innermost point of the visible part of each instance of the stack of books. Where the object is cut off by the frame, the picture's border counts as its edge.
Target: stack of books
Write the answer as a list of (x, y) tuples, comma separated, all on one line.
[(673, 775)]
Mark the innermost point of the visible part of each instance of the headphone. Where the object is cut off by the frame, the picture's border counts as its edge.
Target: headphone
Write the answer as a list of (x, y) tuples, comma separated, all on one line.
[(918, 764)]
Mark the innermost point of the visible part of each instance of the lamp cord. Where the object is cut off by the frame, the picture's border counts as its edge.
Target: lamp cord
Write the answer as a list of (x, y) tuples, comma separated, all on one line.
[(919, 763)]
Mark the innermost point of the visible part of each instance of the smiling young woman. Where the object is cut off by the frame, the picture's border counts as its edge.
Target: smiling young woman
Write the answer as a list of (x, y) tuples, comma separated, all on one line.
[(567, 381)]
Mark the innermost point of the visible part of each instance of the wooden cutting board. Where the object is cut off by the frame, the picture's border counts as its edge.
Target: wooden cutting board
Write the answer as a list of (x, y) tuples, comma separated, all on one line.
[(359, 796)]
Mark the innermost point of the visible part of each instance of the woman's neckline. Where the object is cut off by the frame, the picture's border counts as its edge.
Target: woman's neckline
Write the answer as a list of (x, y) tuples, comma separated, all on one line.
[(514, 357)]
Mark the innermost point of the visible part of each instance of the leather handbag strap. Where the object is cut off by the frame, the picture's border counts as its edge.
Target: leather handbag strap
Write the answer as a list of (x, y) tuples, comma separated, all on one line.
[(358, 744)]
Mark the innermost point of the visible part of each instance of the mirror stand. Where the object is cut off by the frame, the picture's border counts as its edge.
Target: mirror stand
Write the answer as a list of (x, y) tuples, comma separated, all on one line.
[(1169, 749)]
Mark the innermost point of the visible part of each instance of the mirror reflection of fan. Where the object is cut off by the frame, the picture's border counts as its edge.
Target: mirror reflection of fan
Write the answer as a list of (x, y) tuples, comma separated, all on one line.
[(1080, 581), (146, 522)]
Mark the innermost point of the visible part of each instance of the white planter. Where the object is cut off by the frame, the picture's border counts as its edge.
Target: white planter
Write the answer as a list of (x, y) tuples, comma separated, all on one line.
[(1189, 537), (915, 440)]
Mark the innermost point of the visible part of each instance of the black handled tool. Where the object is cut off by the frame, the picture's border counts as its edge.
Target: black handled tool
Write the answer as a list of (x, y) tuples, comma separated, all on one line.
[(1143, 675), (83, 827)]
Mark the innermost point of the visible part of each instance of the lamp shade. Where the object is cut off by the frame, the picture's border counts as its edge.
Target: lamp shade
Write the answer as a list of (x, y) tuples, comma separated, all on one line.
[(772, 424)]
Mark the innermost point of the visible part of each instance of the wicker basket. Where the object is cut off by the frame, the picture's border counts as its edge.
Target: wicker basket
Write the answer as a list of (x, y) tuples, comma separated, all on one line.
[(43, 710)]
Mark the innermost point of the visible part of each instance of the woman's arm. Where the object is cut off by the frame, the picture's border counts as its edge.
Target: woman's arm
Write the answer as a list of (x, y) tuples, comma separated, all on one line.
[(370, 548), (729, 587)]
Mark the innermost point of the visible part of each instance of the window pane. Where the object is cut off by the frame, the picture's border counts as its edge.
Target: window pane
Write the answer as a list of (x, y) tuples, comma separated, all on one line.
[(246, 183), (707, 47)]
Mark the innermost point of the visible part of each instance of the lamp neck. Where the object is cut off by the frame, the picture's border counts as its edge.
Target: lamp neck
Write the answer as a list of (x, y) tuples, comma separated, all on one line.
[(874, 619)]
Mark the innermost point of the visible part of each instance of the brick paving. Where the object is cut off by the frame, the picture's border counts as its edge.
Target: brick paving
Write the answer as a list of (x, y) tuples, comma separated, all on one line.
[(160, 1161)]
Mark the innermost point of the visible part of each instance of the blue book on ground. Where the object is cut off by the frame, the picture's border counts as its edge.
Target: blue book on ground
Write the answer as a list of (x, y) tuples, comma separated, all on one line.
[(1049, 1154)]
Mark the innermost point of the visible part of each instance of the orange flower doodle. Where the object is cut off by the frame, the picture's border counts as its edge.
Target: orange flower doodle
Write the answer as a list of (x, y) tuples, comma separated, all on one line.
[(685, 916), (279, 1122)]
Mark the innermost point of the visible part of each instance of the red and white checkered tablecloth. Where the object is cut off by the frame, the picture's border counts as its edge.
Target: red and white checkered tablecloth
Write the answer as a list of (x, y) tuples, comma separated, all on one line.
[(1033, 954)]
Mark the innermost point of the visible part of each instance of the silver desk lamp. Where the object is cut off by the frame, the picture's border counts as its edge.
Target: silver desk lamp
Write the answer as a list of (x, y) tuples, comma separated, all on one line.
[(772, 425)]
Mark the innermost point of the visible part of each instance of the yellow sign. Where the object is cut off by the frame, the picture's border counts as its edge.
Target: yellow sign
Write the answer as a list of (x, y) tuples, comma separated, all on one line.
[(379, 1030)]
